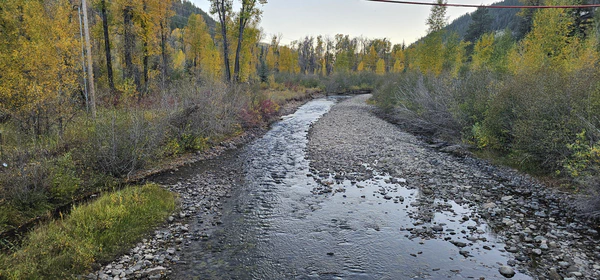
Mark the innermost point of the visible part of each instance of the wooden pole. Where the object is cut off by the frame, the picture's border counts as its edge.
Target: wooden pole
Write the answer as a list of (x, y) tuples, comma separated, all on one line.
[(90, 71)]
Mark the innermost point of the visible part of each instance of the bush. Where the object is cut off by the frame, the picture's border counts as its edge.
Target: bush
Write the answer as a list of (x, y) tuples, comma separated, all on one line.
[(65, 181), (422, 104), (533, 118), (95, 232), (122, 141), (345, 82), (24, 193), (206, 114)]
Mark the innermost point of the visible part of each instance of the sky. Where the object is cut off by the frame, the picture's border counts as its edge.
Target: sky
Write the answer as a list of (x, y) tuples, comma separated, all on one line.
[(295, 19)]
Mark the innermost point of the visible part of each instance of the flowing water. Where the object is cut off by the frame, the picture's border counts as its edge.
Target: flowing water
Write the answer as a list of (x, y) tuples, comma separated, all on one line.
[(275, 227)]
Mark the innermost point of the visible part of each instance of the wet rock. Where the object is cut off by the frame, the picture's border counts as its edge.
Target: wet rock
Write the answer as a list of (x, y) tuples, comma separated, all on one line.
[(511, 249), (459, 244), (465, 253), (507, 271)]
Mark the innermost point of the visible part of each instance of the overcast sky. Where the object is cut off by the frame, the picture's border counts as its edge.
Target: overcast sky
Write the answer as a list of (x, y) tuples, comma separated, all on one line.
[(295, 19)]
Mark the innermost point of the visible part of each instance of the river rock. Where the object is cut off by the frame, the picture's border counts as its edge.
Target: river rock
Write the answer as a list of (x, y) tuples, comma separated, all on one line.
[(507, 271)]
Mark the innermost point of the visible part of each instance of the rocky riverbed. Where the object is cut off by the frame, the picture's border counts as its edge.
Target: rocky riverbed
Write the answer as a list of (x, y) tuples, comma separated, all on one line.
[(372, 202), (535, 223)]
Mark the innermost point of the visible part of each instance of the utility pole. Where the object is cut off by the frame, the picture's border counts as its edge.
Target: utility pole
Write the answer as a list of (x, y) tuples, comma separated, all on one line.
[(90, 71)]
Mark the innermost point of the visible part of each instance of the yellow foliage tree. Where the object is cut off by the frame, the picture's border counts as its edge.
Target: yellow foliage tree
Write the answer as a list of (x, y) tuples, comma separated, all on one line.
[(197, 42), (399, 62), (548, 43), (380, 68), (288, 60), (361, 67), (430, 54), (39, 62), (483, 51), (371, 59), (249, 52)]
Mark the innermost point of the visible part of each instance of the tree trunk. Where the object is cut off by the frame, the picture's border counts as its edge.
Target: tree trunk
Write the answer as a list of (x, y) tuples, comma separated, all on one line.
[(145, 62), (109, 69), (222, 19), (92, 87), (163, 48), (238, 50), (146, 57), (129, 44)]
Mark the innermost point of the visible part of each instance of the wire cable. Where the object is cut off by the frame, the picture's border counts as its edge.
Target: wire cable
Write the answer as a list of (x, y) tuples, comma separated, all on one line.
[(488, 6)]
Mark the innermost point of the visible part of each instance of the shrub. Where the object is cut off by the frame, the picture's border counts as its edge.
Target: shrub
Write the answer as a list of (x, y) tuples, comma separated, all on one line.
[(422, 103), (24, 193), (121, 142), (65, 182)]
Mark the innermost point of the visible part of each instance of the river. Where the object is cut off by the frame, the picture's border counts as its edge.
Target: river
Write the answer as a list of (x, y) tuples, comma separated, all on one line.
[(278, 225)]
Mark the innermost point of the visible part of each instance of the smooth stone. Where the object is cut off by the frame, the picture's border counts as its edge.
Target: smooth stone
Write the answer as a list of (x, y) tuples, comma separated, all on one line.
[(507, 271)]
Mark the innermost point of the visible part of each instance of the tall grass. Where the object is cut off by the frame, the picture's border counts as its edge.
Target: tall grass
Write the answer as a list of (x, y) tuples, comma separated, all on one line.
[(95, 232)]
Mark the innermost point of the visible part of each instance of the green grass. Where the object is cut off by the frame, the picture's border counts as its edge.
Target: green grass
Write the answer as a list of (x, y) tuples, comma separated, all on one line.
[(92, 233)]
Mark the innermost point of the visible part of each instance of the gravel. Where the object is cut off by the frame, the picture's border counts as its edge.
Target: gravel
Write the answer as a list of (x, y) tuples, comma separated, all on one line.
[(534, 221)]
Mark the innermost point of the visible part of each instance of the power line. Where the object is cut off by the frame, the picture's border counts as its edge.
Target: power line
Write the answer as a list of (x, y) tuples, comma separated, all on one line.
[(487, 6)]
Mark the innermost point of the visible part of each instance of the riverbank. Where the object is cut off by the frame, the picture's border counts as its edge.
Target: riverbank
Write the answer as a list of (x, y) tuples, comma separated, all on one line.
[(541, 237), (202, 181)]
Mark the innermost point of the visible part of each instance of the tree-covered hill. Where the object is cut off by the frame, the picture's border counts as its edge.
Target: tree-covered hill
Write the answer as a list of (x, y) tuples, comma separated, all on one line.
[(501, 19), (183, 9)]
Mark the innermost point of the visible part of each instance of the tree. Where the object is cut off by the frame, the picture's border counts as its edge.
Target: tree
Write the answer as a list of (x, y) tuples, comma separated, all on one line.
[(371, 59), (39, 63), (223, 10), (288, 60), (548, 44), (273, 55), (130, 71), (109, 68), (430, 54), (249, 52), (437, 18), (399, 61), (196, 39), (345, 49), (526, 18), (483, 52), (480, 24), (248, 12), (380, 68), (165, 13)]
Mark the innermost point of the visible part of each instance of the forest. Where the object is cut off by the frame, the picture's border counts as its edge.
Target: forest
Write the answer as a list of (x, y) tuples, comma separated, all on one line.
[(162, 79)]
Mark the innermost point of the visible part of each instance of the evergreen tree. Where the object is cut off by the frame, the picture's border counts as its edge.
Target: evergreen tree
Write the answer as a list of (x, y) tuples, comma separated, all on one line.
[(437, 19), (480, 24)]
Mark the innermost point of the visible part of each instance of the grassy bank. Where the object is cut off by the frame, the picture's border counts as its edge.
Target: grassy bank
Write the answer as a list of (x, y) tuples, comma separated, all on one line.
[(94, 232), (40, 173)]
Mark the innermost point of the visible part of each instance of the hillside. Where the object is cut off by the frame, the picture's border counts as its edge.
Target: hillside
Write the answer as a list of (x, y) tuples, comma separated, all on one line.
[(502, 19), (183, 9)]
